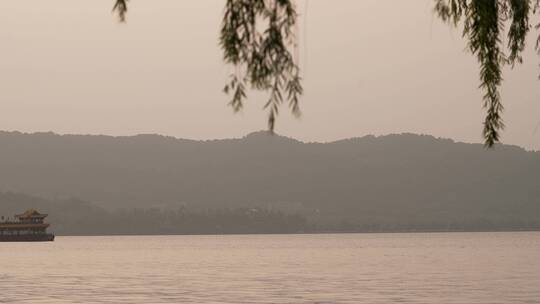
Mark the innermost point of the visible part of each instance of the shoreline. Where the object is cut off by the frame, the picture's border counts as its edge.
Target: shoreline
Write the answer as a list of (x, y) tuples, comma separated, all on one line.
[(312, 233)]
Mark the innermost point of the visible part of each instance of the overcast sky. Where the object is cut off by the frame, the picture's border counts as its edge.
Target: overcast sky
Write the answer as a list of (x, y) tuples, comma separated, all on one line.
[(370, 67)]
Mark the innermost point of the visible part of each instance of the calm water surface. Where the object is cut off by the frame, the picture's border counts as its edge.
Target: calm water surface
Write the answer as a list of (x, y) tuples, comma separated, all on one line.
[(335, 268)]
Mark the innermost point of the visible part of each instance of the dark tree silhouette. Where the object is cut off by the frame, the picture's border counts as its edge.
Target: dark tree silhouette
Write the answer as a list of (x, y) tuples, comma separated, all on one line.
[(257, 38)]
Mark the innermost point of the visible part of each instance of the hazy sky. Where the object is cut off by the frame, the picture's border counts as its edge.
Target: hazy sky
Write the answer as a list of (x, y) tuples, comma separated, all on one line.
[(370, 67)]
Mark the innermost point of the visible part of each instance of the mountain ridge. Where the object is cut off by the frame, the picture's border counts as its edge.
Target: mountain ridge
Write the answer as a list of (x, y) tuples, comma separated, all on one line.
[(393, 179), (251, 135)]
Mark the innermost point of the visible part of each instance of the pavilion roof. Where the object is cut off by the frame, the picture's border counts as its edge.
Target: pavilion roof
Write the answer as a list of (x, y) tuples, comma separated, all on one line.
[(31, 213)]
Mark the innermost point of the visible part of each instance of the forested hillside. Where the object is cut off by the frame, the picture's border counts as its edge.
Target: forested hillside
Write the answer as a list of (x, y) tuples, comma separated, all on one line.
[(368, 183)]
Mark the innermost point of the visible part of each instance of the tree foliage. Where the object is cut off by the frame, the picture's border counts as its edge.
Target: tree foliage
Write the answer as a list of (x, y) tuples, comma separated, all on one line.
[(258, 39), (484, 23)]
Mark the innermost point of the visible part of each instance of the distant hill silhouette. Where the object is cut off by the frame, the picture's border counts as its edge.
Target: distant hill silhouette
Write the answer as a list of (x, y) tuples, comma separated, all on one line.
[(368, 183)]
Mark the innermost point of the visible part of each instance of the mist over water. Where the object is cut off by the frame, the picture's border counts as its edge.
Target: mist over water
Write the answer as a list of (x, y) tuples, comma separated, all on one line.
[(467, 268)]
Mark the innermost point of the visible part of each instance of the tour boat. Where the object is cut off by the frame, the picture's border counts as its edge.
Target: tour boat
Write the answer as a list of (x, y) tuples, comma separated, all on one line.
[(26, 227)]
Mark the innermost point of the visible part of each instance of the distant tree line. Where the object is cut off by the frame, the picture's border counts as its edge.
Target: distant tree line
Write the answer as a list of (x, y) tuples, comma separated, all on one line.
[(182, 221), (76, 217), (259, 221)]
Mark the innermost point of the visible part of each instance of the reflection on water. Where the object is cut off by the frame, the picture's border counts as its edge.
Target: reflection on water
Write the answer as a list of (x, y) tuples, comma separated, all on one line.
[(335, 268)]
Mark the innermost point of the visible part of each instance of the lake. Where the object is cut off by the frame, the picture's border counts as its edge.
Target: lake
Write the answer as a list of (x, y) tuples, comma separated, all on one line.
[(325, 268)]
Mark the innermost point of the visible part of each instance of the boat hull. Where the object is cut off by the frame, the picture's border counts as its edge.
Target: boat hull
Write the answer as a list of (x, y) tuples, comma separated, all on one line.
[(27, 238)]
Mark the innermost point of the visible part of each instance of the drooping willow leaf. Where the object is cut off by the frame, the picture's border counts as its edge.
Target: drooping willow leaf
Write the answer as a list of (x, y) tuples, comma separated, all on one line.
[(120, 7), (257, 38), (484, 24)]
